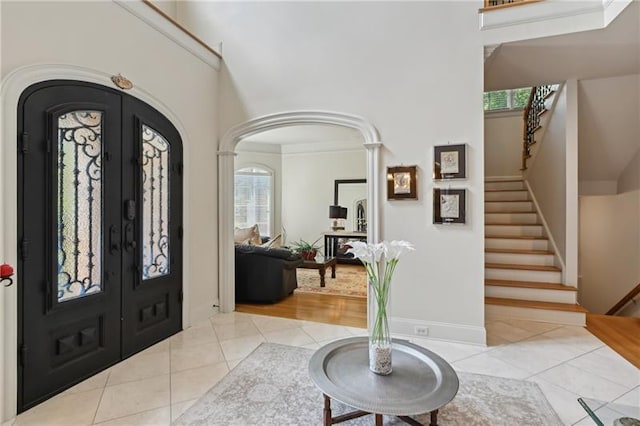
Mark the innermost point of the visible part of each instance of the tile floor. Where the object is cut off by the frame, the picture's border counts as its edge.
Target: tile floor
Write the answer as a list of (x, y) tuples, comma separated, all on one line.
[(155, 386)]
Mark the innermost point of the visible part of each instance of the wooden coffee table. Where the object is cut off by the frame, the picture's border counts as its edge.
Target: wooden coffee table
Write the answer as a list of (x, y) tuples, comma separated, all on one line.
[(321, 267)]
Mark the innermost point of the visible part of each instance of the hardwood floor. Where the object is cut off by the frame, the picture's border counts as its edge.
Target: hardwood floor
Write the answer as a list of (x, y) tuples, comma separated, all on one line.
[(622, 334), (329, 309)]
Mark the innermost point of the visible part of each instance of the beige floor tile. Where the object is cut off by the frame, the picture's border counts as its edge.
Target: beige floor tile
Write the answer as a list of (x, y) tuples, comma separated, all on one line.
[(162, 346), (229, 318), (575, 336), (313, 346), (631, 398), (531, 326), (64, 409), (616, 370), (326, 332), (97, 381), (233, 363), (139, 366), (564, 403), (268, 324), (193, 383), (485, 364), (193, 336), (583, 383), (241, 347), (449, 351), (235, 330), (527, 357), (156, 417), (133, 397), (179, 408), (507, 331), (293, 337), (195, 356)]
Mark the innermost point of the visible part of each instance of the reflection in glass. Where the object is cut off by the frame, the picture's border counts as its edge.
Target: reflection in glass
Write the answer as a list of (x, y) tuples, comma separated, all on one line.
[(79, 204), (155, 204)]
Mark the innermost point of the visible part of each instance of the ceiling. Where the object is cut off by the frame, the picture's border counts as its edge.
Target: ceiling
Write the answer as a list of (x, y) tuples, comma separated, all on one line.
[(612, 51)]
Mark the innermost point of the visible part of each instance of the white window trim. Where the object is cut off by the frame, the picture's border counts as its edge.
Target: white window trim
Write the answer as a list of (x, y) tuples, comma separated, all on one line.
[(272, 198)]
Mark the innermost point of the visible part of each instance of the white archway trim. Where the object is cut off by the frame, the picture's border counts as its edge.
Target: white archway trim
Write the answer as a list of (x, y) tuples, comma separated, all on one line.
[(12, 87), (226, 153)]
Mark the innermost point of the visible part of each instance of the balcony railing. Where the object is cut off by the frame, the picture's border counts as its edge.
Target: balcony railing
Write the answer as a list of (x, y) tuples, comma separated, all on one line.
[(499, 4)]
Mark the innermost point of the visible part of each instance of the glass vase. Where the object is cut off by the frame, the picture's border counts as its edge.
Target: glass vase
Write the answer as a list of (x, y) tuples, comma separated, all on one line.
[(379, 335)]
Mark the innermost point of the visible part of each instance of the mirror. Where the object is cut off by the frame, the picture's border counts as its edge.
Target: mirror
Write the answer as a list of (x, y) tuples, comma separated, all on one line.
[(352, 194)]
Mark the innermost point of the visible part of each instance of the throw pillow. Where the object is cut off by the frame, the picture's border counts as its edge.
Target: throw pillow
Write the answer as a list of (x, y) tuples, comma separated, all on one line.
[(275, 242), (240, 235)]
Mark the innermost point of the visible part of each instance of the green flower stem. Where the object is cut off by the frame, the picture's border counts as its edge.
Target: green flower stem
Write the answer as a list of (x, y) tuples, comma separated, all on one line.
[(380, 330)]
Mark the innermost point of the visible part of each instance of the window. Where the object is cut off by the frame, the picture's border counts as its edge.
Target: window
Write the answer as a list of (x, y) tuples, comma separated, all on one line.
[(253, 199), (501, 100)]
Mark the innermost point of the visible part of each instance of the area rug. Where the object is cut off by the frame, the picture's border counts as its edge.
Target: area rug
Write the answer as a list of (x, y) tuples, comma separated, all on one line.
[(272, 387), (350, 280)]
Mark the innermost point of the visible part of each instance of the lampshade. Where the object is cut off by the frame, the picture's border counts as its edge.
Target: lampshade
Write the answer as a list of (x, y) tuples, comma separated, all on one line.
[(334, 212), (343, 213)]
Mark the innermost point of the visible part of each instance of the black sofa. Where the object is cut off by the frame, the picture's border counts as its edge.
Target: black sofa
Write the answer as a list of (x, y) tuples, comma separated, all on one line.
[(265, 275)]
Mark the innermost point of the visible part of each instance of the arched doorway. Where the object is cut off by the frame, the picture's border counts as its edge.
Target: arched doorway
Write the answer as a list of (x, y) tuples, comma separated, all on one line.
[(226, 155)]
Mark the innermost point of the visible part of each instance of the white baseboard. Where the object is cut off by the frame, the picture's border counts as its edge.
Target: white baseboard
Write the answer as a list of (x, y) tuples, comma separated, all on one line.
[(438, 330)]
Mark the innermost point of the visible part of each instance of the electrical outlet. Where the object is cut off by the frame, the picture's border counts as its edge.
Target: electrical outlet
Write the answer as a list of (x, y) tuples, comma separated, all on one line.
[(421, 330)]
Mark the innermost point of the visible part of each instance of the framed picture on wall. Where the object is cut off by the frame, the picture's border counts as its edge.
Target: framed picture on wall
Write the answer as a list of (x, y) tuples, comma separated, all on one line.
[(450, 162), (402, 183), (449, 205)]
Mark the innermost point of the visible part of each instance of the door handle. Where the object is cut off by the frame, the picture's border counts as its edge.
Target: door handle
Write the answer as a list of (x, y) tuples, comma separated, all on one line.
[(130, 241), (114, 240)]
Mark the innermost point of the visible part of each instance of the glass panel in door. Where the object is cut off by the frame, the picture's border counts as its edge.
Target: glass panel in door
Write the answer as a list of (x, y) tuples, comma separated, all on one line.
[(155, 204), (79, 204)]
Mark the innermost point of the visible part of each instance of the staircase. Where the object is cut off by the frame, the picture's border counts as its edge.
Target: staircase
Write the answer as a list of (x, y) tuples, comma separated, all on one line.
[(521, 276)]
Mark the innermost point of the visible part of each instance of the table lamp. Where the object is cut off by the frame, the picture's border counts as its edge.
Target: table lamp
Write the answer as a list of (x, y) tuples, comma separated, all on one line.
[(337, 214)]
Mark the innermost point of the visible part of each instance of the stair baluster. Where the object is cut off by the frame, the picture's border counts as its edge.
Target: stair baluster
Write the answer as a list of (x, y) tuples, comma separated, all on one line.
[(532, 113)]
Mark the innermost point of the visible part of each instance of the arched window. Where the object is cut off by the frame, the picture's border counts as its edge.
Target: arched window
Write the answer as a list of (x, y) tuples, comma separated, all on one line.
[(254, 198)]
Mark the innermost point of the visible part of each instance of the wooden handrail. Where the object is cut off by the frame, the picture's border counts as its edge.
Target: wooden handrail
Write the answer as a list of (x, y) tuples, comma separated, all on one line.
[(502, 4), (626, 299)]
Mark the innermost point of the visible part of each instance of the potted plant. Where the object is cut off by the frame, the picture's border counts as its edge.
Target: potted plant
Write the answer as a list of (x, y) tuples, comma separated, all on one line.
[(307, 250)]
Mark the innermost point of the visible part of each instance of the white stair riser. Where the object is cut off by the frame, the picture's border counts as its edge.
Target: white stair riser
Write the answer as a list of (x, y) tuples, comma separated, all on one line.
[(510, 217), (533, 231), (537, 294), (504, 185), (496, 206), (506, 196), (519, 259), (506, 243), (523, 275), (542, 315)]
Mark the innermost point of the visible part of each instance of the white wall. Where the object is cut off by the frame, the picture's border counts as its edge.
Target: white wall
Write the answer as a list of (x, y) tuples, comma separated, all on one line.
[(503, 144), (629, 179), (251, 154), (307, 189), (609, 249), (105, 39), (547, 174), (609, 125), (392, 63), (169, 7)]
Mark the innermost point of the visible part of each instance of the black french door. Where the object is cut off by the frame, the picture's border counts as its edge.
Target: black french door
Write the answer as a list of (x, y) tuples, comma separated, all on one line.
[(99, 233)]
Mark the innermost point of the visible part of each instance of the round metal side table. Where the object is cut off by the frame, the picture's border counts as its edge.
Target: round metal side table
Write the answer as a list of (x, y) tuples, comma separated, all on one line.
[(421, 381)]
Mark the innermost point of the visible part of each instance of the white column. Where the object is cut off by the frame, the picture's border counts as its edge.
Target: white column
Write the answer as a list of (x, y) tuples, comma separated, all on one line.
[(373, 191), (572, 226), (226, 268)]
